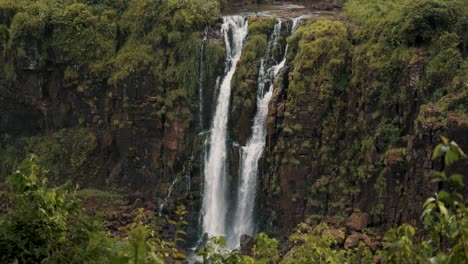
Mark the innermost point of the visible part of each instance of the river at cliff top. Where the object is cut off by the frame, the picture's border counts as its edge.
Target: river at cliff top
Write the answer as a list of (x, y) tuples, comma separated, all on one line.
[(282, 10)]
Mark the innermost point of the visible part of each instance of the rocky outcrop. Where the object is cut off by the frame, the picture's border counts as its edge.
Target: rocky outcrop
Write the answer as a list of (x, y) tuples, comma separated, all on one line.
[(145, 139), (362, 149)]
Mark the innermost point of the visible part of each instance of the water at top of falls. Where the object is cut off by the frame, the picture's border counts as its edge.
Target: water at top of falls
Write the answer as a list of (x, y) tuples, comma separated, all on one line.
[(234, 30), (295, 23), (244, 222)]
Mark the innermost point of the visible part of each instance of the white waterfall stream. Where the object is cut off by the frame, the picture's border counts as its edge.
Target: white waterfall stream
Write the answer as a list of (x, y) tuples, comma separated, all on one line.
[(244, 222), (169, 193), (215, 200), (234, 30)]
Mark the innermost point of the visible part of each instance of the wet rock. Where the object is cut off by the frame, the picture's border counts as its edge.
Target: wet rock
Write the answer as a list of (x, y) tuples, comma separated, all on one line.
[(375, 245), (246, 245), (357, 221), (149, 213)]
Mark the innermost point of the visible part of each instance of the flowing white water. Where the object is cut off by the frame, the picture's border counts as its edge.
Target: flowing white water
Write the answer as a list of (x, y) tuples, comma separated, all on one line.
[(250, 154), (295, 24), (169, 193), (200, 78), (214, 206), (244, 222)]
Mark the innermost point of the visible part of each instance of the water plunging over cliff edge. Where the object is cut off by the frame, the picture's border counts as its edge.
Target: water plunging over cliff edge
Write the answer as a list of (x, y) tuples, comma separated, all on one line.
[(234, 30), (244, 222)]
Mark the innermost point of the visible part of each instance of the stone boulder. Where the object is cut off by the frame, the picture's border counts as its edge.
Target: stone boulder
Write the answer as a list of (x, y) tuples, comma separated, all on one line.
[(352, 241), (357, 221)]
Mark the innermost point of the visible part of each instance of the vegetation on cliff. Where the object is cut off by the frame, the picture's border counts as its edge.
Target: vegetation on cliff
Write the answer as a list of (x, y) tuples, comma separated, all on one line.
[(48, 225), (361, 98), (93, 65), (358, 107)]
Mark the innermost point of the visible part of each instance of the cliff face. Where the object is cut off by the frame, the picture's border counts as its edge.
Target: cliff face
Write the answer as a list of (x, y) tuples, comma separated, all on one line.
[(106, 102), (349, 129), (351, 123)]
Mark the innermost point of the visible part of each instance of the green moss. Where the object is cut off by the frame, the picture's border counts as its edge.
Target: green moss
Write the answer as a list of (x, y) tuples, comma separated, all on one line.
[(83, 37), (288, 131), (30, 22), (259, 25), (313, 75), (132, 59)]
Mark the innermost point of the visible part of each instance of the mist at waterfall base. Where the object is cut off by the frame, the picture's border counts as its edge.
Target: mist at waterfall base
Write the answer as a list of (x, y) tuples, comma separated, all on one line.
[(214, 213)]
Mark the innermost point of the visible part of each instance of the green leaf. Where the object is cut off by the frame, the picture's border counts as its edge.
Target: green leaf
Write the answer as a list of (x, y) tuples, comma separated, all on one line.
[(426, 212), (451, 157), (454, 146), (428, 201), (437, 151), (443, 195), (445, 140), (443, 209), (457, 180)]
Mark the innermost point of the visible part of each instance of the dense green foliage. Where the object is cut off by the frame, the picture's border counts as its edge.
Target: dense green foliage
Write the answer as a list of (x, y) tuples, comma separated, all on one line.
[(47, 225), (68, 152), (111, 41)]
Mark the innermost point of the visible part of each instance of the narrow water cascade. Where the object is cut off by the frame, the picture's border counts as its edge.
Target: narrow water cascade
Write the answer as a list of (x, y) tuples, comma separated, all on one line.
[(244, 222), (234, 30), (244, 218), (169, 193), (200, 78)]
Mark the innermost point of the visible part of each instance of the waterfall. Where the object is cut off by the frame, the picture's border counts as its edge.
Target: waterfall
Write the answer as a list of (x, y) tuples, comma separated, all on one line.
[(169, 193), (250, 154), (200, 78), (295, 23), (244, 222), (234, 30)]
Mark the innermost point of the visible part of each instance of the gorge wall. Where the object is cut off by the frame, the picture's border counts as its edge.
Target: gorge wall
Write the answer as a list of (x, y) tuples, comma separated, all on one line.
[(351, 124)]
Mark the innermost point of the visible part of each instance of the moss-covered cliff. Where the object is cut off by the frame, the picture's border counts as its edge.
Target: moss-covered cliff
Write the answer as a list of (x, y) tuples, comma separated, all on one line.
[(356, 113), (104, 91), (106, 94)]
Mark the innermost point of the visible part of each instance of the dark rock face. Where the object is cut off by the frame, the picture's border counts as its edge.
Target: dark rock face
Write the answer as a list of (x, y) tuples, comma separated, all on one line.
[(246, 245), (141, 146), (385, 179), (307, 159)]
